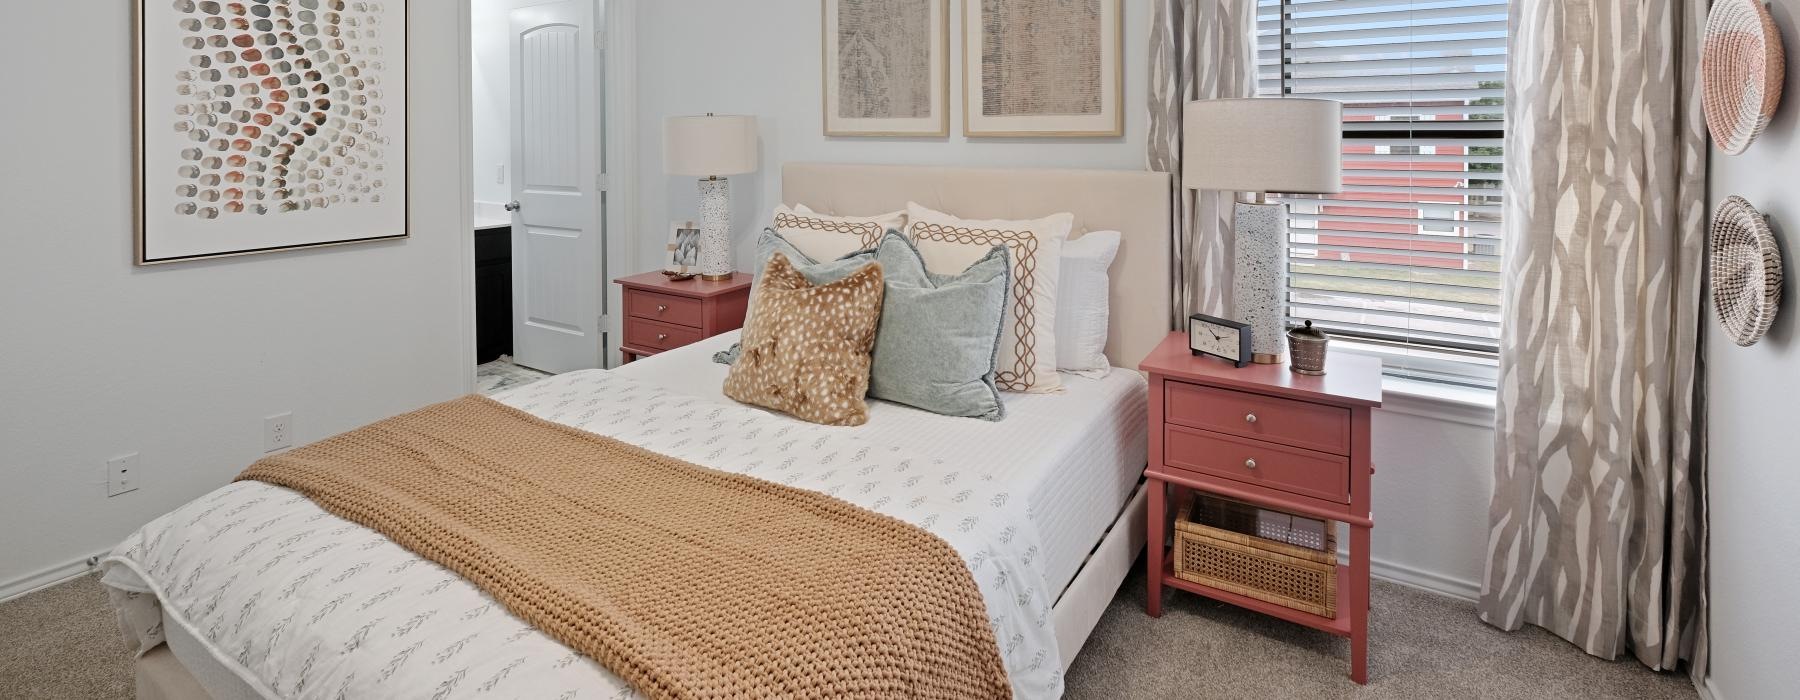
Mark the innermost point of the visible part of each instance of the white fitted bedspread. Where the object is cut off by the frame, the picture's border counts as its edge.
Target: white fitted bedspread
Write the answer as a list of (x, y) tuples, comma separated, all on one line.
[(299, 603), (1077, 456)]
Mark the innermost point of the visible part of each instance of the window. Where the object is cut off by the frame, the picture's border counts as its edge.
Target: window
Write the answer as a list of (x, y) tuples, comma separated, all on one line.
[(1405, 262)]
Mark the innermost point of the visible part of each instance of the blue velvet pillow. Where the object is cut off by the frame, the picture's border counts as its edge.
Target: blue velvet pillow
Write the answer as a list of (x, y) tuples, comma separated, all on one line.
[(939, 337), (816, 272)]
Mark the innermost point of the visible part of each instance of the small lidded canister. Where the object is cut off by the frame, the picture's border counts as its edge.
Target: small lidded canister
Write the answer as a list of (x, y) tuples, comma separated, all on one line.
[(1307, 346)]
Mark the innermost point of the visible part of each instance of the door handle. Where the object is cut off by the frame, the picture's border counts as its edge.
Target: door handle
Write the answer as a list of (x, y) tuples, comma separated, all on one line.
[(512, 205)]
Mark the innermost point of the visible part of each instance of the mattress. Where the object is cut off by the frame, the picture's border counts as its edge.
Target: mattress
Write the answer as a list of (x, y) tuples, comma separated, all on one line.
[(1077, 455)]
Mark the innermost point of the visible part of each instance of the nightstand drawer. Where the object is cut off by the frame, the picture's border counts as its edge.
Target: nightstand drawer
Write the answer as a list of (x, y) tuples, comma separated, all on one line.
[(653, 335), (1303, 472), (680, 311), (1297, 423)]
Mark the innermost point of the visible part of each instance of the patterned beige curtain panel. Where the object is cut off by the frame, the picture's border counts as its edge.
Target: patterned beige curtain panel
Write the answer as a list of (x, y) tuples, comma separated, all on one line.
[(1598, 517), (1199, 49)]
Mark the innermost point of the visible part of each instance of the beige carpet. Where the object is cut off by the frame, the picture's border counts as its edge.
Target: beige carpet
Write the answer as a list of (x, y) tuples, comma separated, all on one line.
[(1421, 645), (63, 643)]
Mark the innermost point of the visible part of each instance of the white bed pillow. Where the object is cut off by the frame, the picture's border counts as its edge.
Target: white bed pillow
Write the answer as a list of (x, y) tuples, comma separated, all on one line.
[(1083, 302), (1028, 341), (828, 237)]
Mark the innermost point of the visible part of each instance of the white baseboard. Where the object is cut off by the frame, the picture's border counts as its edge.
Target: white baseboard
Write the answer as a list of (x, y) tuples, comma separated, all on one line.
[(34, 582), (1708, 691), (1428, 581)]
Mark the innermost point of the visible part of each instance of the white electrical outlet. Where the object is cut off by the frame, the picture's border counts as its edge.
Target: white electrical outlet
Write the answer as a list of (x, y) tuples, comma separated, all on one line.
[(122, 474), (278, 432), (500, 174)]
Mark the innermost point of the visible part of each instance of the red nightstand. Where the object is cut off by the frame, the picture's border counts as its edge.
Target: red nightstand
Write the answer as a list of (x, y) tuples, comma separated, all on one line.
[(661, 314), (1272, 437)]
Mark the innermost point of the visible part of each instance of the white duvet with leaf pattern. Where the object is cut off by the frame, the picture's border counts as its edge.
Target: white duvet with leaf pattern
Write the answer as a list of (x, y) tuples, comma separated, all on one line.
[(304, 604)]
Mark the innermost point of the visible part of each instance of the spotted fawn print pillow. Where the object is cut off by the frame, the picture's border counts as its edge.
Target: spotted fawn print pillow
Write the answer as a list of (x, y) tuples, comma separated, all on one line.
[(950, 245), (805, 347), (829, 237)]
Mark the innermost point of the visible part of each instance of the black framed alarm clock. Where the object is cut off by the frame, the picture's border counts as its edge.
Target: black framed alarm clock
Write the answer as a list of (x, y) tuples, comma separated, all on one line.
[(1221, 338)]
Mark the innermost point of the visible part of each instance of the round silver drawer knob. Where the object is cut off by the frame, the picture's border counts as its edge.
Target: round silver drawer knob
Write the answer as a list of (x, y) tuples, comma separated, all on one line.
[(1249, 418), (1249, 464), (661, 308), (662, 336)]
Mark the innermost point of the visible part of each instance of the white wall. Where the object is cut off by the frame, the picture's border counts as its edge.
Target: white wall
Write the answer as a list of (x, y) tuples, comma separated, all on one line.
[(491, 84), (1435, 463), (1434, 476), (1753, 473), (181, 362)]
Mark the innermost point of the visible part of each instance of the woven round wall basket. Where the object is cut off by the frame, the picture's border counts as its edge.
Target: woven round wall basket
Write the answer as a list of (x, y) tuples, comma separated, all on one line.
[(1746, 271), (1741, 70)]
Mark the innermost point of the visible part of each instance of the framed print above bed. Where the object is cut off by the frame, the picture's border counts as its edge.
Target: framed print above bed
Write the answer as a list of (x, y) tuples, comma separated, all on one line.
[(886, 67), (268, 125), (1043, 68)]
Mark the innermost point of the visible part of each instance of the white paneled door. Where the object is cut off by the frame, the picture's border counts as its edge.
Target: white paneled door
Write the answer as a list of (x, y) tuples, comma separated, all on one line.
[(557, 187)]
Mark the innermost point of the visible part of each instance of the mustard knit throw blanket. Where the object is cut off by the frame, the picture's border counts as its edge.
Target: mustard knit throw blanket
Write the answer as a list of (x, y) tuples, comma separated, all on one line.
[(684, 581)]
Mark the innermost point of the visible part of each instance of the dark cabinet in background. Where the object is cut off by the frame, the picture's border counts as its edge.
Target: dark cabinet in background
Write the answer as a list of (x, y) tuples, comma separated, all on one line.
[(493, 293)]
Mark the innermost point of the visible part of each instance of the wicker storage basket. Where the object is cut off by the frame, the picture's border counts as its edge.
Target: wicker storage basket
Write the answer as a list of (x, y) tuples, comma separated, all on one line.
[(1216, 546)]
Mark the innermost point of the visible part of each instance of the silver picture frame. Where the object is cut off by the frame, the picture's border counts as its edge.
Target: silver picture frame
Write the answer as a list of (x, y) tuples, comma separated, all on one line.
[(200, 27)]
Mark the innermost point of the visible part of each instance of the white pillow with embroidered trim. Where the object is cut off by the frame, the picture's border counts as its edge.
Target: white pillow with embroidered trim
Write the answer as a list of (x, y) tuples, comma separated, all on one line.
[(829, 237), (1083, 304), (950, 244)]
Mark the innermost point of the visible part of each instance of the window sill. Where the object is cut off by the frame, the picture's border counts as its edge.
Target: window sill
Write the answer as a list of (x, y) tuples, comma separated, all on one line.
[(1446, 402)]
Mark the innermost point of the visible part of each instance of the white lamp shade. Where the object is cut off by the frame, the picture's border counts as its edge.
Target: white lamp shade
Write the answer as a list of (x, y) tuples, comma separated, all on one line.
[(704, 146), (1274, 144)]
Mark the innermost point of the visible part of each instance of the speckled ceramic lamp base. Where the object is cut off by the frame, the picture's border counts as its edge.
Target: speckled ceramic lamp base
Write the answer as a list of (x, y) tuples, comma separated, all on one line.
[(715, 229), (1261, 276)]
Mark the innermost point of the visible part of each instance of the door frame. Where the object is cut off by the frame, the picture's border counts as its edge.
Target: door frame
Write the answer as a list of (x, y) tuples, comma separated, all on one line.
[(618, 245)]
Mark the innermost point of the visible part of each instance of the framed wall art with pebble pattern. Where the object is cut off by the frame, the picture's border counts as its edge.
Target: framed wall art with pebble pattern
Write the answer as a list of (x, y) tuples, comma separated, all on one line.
[(266, 125)]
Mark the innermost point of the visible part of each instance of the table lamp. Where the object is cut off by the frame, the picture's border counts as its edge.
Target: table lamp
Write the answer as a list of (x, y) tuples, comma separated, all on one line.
[(709, 147), (1260, 145)]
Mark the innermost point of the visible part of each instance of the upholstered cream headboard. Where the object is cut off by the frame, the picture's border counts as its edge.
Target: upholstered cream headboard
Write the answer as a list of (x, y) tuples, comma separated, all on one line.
[(1135, 203)]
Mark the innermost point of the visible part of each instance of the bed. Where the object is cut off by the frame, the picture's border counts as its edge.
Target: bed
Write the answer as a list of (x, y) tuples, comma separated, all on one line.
[(1077, 458)]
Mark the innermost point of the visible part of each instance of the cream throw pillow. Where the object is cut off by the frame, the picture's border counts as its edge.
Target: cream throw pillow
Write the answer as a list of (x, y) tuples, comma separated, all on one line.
[(1028, 340), (828, 237)]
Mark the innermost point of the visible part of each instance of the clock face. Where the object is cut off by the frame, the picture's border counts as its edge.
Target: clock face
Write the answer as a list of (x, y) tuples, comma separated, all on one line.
[(1213, 339)]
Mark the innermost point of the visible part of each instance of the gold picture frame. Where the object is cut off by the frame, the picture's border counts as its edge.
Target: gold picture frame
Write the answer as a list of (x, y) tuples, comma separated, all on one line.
[(897, 18), (243, 238), (984, 99)]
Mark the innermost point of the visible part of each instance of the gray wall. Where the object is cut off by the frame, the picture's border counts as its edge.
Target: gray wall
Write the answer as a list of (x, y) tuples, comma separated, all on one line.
[(762, 58), (180, 363), (1754, 503)]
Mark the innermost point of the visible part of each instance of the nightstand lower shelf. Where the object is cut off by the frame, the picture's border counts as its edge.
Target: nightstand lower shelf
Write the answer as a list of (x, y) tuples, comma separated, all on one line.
[(1339, 626)]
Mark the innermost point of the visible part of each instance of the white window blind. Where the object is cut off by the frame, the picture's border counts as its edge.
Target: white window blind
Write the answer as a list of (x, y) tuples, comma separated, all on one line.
[(1406, 260)]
